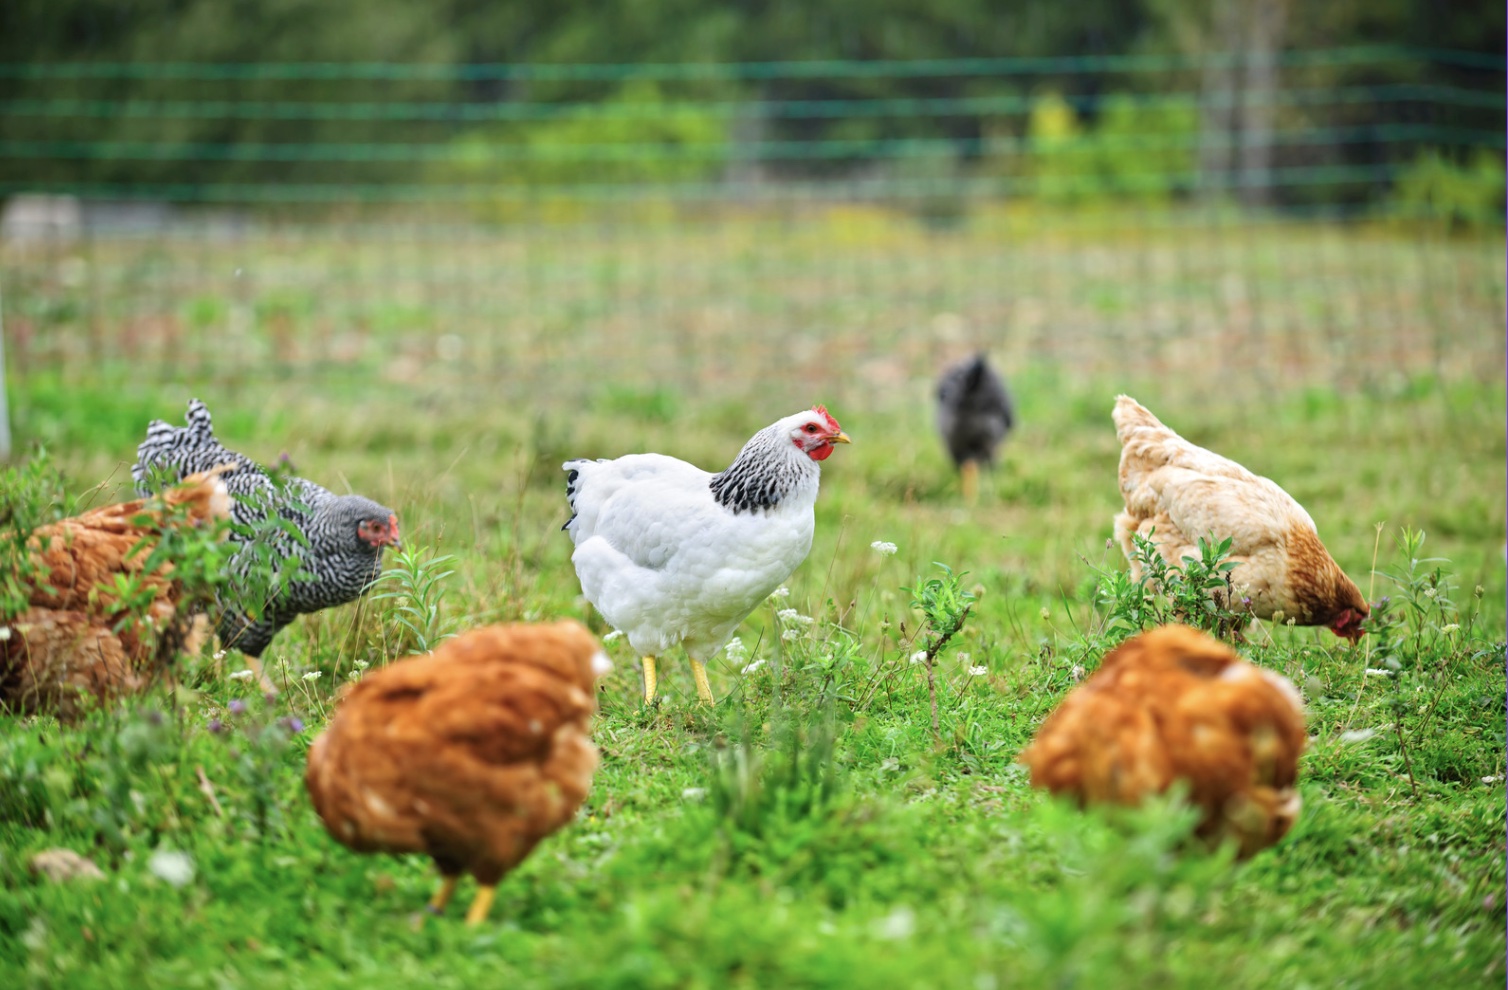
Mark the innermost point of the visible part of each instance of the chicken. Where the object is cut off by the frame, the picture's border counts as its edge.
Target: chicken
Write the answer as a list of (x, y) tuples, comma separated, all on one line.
[(1175, 704), (471, 754), (1176, 493), (669, 553), (973, 415), (345, 533), (72, 638)]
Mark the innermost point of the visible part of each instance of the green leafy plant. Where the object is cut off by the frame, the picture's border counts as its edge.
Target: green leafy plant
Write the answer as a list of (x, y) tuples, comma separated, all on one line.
[(414, 609), (945, 607), (1201, 593)]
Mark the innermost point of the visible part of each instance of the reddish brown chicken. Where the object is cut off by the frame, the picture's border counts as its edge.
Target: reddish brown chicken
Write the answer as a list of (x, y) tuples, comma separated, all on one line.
[(72, 641), (1176, 493), (471, 754), (1172, 705)]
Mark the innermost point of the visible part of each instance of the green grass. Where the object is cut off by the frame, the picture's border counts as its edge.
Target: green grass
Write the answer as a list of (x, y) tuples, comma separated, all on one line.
[(923, 863)]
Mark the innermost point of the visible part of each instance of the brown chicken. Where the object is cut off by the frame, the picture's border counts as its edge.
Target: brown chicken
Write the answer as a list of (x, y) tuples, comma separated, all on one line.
[(1175, 704), (72, 641), (471, 754), (1176, 493)]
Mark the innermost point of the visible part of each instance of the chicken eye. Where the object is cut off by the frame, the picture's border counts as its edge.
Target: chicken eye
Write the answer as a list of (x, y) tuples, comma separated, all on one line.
[(811, 428)]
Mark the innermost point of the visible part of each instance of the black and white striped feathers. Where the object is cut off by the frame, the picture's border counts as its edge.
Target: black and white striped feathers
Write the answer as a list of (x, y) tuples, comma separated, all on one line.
[(342, 535)]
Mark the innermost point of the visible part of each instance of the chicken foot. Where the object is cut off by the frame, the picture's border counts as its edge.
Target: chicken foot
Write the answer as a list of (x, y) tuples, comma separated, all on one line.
[(703, 689)]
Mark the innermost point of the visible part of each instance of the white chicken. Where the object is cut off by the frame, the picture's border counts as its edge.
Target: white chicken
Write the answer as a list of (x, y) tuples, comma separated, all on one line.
[(669, 553)]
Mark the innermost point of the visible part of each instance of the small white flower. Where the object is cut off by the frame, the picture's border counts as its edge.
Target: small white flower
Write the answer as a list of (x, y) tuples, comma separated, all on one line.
[(615, 634), (243, 675), (219, 655), (169, 866), (1491, 780), (1452, 627), (964, 658), (790, 634), (361, 665), (1430, 592), (1378, 672), (4, 633), (883, 548), (781, 592), (920, 656), (694, 793), (787, 613), (736, 650), (754, 666), (978, 671), (313, 675), (354, 675)]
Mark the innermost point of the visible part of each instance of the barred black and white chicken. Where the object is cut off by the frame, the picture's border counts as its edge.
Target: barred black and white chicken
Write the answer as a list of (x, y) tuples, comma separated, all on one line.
[(973, 415), (345, 534)]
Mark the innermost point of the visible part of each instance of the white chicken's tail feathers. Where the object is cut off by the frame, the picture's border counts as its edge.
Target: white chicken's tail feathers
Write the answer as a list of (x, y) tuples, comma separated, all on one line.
[(573, 485)]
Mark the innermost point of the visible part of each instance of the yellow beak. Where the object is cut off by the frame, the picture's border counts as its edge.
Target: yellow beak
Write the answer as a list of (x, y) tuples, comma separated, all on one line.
[(839, 437)]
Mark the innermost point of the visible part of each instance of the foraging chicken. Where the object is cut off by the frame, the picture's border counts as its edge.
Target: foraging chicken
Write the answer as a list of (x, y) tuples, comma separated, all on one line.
[(1175, 704), (78, 637), (345, 533), (973, 415), (669, 553), (1176, 493), (471, 754)]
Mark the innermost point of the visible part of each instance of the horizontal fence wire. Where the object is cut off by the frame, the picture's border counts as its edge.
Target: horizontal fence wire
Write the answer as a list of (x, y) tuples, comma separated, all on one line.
[(733, 230)]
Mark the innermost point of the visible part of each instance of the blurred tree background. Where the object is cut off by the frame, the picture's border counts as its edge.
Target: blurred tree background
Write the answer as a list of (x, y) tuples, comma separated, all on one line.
[(457, 114)]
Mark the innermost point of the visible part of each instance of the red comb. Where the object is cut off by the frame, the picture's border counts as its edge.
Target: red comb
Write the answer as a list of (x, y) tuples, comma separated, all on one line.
[(821, 410)]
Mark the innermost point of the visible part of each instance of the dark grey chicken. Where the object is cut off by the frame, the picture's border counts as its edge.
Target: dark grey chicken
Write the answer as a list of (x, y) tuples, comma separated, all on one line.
[(973, 415), (339, 542)]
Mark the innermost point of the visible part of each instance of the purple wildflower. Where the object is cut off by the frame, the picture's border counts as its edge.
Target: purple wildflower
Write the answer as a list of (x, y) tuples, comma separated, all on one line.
[(237, 707), (294, 724), (215, 725)]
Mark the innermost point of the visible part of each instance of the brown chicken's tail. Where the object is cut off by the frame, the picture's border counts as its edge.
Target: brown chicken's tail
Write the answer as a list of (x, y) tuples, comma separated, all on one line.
[(1130, 415)]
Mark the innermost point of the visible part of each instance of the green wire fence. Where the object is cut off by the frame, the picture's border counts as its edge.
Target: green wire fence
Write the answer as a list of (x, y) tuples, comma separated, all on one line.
[(1310, 217)]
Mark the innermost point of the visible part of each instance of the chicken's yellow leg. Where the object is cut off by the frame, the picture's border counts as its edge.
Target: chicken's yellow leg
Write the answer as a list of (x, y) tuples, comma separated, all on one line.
[(703, 689), (649, 680), (481, 905), (442, 896), (968, 476)]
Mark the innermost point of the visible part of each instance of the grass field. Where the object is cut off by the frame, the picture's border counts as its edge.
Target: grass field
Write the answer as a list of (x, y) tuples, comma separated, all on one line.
[(867, 853)]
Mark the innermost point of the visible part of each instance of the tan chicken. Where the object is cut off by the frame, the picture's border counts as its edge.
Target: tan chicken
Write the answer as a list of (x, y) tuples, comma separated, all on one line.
[(1175, 704), (72, 641), (471, 754), (1176, 493)]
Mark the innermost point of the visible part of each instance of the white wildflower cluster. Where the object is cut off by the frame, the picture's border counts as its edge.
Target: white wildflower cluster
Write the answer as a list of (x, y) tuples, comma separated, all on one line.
[(781, 592), (750, 668), (1450, 628), (172, 867), (362, 665), (615, 634), (920, 656), (1430, 592), (790, 635), (791, 615), (735, 650), (883, 548), (242, 675), (312, 675), (978, 671), (219, 655)]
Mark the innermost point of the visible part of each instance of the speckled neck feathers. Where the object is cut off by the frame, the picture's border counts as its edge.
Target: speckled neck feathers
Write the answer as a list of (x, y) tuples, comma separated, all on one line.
[(765, 474)]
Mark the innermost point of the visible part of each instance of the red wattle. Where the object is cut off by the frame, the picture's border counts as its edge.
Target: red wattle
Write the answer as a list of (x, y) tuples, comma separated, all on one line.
[(820, 453)]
